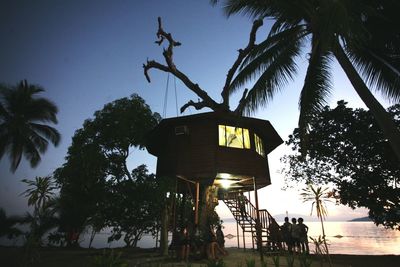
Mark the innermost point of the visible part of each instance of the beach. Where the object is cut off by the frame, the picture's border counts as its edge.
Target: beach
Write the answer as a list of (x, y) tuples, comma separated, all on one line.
[(61, 257)]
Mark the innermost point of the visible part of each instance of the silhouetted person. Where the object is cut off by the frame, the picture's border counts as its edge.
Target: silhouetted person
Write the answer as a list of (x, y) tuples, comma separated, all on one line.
[(212, 247), (286, 230), (242, 205), (295, 235), (185, 244), (303, 229), (221, 238)]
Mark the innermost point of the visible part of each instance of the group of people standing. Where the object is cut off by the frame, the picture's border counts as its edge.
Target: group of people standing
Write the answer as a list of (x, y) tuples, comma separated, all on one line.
[(210, 244), (295, 235)]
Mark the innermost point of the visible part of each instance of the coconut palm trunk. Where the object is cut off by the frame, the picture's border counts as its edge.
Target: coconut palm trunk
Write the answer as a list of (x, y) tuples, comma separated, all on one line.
[(324, 239), (382, 117)]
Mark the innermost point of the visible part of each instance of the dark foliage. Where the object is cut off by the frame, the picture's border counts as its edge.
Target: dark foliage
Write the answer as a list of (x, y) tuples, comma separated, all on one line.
[(96, 172), (348, 150)]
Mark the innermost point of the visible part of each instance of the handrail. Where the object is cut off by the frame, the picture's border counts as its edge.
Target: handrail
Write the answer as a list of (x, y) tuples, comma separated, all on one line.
[(267, 222)]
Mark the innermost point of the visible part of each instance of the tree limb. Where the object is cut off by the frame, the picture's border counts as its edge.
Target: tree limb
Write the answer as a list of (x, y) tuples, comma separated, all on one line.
[(154, 64), (242, 102), (171, 68), (196, 105), (242, 54)]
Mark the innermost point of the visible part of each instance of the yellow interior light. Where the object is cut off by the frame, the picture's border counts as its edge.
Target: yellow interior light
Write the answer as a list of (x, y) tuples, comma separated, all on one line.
[(226, 183)]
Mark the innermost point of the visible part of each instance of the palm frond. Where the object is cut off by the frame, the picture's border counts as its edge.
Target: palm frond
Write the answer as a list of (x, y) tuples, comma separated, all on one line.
[(274, 78), (316, 88), (48, 132), (380, 70), (32, 154), (42, 109), (273, 65), (15, 155), (250, 8), (275, 43)]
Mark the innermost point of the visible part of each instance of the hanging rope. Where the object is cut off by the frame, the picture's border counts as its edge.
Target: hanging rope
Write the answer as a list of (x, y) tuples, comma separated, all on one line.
[(166, 98), (165, 106), (176, 98)]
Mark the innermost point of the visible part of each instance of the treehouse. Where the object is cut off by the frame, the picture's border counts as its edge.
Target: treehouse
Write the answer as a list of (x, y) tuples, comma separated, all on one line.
[(212, 148), (217, 155)]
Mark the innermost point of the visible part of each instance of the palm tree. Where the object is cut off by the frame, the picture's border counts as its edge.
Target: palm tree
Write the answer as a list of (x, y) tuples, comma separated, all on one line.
[(40, 196), (318, 196), (343, 30), (40, 192), (23, 128)]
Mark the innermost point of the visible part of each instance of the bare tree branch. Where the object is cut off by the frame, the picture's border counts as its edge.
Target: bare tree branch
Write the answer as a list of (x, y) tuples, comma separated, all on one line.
[(196, 105), (242, 54), (171, 68), (154, 64), (242, 102)]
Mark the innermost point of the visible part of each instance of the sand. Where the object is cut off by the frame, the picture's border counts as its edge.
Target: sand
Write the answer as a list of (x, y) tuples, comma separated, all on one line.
[(56, 257)]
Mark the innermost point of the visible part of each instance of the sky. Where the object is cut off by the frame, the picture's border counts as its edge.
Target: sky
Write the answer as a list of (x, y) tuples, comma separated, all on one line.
[(88, 53)]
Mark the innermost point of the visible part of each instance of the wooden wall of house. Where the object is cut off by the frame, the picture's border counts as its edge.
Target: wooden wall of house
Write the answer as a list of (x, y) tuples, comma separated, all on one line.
[(197, 155)]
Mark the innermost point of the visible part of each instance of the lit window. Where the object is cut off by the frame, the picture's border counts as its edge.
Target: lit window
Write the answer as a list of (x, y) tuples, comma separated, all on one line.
[(259, 145), (233, 137)]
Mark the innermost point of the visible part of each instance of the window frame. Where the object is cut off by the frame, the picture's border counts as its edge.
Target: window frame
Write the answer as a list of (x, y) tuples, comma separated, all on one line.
[(245, 136), (259, 145)]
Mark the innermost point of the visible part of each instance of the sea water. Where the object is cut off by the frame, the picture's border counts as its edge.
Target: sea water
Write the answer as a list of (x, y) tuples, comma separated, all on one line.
[(363, 238)]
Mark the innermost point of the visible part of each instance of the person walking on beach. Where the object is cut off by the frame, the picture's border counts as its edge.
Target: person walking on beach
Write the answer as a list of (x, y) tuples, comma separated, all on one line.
[(295, 235), (286, 230), (303, 230)]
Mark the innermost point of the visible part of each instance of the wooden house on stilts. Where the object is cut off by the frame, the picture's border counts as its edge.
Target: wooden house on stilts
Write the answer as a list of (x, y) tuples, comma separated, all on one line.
[(227, 152)]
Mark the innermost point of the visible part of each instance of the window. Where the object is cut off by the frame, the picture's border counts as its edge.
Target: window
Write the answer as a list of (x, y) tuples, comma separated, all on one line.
[(233, 137), (259, 145)]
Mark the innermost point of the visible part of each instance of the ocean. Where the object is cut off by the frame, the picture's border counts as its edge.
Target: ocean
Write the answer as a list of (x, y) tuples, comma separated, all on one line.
[(363, 238)]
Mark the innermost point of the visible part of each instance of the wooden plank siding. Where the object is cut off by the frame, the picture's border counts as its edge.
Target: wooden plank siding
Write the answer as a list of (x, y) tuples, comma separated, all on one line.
[(196, 154)]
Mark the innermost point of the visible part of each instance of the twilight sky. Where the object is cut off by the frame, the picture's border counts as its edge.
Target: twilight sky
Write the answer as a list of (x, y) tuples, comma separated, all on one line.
[(88, 53)]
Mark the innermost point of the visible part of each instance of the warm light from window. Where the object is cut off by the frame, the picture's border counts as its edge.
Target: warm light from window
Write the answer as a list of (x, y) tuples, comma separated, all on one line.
[(259, 145), (233, 137)]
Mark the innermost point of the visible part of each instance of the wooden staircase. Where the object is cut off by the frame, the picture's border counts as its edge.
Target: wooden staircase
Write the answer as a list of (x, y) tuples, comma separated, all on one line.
[(245, 213)]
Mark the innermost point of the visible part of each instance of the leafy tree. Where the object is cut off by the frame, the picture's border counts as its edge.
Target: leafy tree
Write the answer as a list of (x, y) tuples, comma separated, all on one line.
[(120, 126), (348, 151), (23, 123), (96, 166), (82, 181), (358, 34), (135, 206)]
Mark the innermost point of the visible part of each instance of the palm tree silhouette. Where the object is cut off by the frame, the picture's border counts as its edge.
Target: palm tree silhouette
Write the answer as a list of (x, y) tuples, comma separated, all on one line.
[(343, 30), (23, 128), (40, 192), (318, 196)]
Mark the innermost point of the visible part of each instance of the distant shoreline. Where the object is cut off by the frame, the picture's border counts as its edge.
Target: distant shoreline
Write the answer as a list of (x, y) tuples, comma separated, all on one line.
[(307, 219)]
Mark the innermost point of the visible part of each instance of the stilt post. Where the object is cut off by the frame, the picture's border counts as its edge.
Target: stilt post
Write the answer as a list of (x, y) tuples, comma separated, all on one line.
[(237, 233), (196, 212), (258, 224)]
